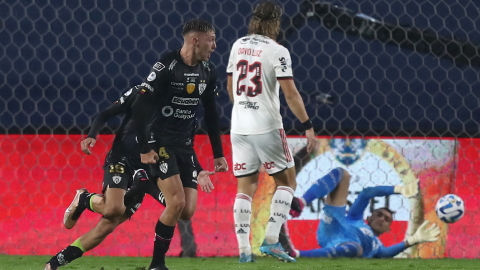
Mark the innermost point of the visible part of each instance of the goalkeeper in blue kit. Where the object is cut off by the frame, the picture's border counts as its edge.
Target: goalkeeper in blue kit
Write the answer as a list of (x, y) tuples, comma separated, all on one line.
[(348, 235)]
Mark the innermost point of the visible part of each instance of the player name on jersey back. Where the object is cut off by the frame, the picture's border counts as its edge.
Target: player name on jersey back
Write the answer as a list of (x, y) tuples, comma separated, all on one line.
[(256, 64)]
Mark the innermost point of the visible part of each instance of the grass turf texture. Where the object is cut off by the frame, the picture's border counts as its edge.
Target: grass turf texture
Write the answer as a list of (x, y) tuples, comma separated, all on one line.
[(135, 263)]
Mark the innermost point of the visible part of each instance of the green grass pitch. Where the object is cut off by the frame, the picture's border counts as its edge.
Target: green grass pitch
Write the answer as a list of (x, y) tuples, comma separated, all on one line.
[(135, 263)]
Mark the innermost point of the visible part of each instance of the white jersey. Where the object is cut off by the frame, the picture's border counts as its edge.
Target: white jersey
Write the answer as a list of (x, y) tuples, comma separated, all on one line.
[(256, 64)]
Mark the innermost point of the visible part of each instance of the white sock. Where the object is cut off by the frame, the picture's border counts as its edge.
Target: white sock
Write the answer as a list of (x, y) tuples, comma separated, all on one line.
[(242, 211), (281, 201)]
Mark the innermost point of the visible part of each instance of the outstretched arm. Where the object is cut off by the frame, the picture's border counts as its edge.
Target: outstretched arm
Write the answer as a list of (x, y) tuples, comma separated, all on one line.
[(358, 207), (119, 107), (391, 251)]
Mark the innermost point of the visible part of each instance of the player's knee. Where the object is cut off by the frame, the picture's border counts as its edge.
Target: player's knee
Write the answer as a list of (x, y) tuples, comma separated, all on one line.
[(176, 204), (114, 211), (187, 214)]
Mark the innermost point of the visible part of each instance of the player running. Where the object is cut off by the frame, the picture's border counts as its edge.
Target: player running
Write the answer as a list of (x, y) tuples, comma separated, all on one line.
[(347, 235), (168, 103), (120, 163), (257, 67)]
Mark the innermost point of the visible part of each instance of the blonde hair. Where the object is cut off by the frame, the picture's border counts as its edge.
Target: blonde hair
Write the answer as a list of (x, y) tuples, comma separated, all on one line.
[(266, 19)]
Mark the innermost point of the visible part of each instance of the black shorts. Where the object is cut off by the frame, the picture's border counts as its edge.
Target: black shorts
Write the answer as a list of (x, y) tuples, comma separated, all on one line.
[(176, 160), (117, 175), (135, 195)]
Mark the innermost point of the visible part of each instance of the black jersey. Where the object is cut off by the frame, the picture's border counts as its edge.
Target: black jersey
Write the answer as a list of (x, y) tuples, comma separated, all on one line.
[(125, 148), (172, 93)]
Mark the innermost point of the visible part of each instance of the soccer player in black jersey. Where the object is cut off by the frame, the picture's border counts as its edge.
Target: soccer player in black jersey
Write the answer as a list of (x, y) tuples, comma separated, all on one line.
[(168, 103), (121, 162)]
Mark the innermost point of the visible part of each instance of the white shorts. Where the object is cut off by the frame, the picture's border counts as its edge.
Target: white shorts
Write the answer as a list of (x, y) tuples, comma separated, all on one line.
[(271, 150)]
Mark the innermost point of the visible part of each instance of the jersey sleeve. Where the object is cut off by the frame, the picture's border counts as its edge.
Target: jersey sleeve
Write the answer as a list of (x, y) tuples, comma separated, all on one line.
[(358, 207), (391, 251), (121, 106), (231, 64), (157, 79), (282, 64)]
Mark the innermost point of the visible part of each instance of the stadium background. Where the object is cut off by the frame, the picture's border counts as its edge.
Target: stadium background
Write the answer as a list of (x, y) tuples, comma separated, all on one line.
[(63, 61)]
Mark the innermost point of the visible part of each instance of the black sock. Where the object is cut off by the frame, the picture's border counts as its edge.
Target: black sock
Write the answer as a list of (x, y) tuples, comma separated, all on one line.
[(65, 256), (163, 237), (84, 200)]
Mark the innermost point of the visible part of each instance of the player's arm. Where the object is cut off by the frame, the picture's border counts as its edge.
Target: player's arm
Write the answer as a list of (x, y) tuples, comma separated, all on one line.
[(283, 70), (358, 207), (212, 122), (143, 105), (230, 86), (120, 106), (391, 251), (230, 69)]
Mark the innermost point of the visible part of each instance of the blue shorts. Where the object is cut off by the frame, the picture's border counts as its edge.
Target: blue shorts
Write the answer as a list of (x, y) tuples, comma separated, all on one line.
[(333, 229)]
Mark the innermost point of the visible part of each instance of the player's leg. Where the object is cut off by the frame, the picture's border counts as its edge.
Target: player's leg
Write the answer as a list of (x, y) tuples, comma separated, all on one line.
[(116, 180), (173, 192), (245, 168), (349, 249), (335, 184), (274, 153), (86, 242)]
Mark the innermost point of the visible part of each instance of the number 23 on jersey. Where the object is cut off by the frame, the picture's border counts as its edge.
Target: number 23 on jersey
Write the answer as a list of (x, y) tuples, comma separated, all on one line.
[(249, 71)]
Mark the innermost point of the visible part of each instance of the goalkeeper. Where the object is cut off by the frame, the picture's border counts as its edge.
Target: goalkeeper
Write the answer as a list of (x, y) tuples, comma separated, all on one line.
[(347, 235)]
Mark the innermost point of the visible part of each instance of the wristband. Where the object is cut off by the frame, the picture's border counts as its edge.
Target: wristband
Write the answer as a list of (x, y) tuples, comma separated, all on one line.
[(307, 124)]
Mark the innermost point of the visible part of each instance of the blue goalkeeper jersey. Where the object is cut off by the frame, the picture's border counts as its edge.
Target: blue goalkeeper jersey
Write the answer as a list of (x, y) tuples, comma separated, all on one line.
[(372, 246)]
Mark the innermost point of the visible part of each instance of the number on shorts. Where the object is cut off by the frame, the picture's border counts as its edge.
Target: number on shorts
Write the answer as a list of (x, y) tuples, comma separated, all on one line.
[(162, 153), (117, 169)]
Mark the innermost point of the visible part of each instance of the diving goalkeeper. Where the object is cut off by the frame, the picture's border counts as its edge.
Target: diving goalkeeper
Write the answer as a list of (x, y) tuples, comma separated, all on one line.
[(348, 235)]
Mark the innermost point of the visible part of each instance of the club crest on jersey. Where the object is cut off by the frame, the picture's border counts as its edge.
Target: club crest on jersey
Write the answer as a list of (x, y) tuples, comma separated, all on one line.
[(201, 87), (190, 88), (116, 179), (164, 167)]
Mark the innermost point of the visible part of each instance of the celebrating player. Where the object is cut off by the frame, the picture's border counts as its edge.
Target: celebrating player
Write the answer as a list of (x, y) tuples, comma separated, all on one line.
[(342, 235), (168, 102), (120, 163), (257, 67)]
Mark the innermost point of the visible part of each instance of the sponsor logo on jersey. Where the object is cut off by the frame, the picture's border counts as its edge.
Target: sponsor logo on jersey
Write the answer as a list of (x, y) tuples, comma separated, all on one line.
[(249, 105), (163, 167), (185, 101), (194, 174), (286, 64), (116, 179), (191, 74), (152, 76), (184, 114), (158, 66), (244, 40), (190, 88), (167, 111), (148, 86), (174, 62)]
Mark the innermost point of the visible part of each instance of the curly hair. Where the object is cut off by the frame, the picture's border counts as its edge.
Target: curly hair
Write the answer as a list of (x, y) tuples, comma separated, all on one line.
[(266, 19)]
